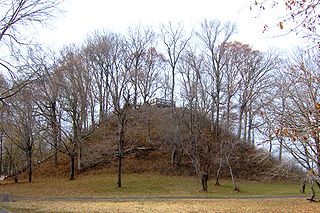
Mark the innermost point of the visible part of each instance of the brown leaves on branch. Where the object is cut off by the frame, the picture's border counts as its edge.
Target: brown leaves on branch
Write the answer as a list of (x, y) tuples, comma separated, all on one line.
[(281, 25), (301, 16)]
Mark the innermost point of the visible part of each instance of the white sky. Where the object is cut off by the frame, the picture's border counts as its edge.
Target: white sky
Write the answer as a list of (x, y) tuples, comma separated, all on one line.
[(83, 17)]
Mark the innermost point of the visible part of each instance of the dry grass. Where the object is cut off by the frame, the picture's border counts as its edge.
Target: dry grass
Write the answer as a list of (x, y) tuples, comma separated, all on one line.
[(223, 205)]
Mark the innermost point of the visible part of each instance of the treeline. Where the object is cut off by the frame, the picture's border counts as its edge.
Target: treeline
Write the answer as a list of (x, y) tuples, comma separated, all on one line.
[(230, 94)]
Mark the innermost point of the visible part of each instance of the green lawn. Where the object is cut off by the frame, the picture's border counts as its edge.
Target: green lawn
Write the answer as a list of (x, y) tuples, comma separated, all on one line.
[(104, 185)]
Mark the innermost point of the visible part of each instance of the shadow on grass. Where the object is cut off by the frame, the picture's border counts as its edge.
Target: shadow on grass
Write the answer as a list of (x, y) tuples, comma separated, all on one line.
[(7, 183)]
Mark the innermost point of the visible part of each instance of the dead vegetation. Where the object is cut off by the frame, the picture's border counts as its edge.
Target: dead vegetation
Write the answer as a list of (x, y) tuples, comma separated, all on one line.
[(230, 205)]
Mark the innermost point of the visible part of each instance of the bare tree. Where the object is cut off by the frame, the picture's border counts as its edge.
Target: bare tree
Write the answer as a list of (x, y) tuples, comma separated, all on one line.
[(140, 41), (97, 56), (120, 90), (272, 112), (203, 145), (43, 64), (214, 36), (3, 87), (300, 125), (74, 115), (12, 159), (110, 60), (18, 15), (175, 42), (200, 143), (149, 79), (256, 75), (234, 57), (23, 125)]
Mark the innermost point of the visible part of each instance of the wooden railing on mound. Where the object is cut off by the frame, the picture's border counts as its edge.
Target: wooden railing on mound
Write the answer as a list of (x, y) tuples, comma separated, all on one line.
[(161, 102)]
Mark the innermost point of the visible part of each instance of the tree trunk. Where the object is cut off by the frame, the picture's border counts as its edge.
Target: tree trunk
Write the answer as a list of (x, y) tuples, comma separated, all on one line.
[(283, 104), (250, 126), (100, 99), (303, 186), (29, 158), (16, 176), (280, 148), (79, 160), (204, 181), (173, 155), (148, 138), (235, 187), (245, 125), (1, 153), (218, 173), (11, 163), (313, 194), (72, 167), (240, 121), (40, 152), (172, 86), (218, 116), (120, 149), (120, 153), (318, 183), (16, 179), (135, 97), (14, 171), (56, 161), (176, 157), (54, 126), (270, 144), (119, 182), (317, 142), (212, 128), (228, 111)]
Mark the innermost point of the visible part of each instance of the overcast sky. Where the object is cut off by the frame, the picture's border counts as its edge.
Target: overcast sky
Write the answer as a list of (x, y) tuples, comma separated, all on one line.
[(83, 17)]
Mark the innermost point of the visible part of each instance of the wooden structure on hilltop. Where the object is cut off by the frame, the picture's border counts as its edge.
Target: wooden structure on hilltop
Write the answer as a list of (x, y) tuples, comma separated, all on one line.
[(161, 102)]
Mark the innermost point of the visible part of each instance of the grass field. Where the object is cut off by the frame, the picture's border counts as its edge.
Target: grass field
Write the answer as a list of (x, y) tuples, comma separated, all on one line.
[(103, 185), (53, 195)]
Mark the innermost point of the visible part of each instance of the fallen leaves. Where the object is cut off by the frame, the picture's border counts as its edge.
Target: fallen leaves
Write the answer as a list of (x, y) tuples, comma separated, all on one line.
[(219, 205)]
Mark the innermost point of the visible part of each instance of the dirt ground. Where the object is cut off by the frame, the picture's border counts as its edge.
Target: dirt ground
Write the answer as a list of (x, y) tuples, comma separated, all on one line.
[(212, 205)]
